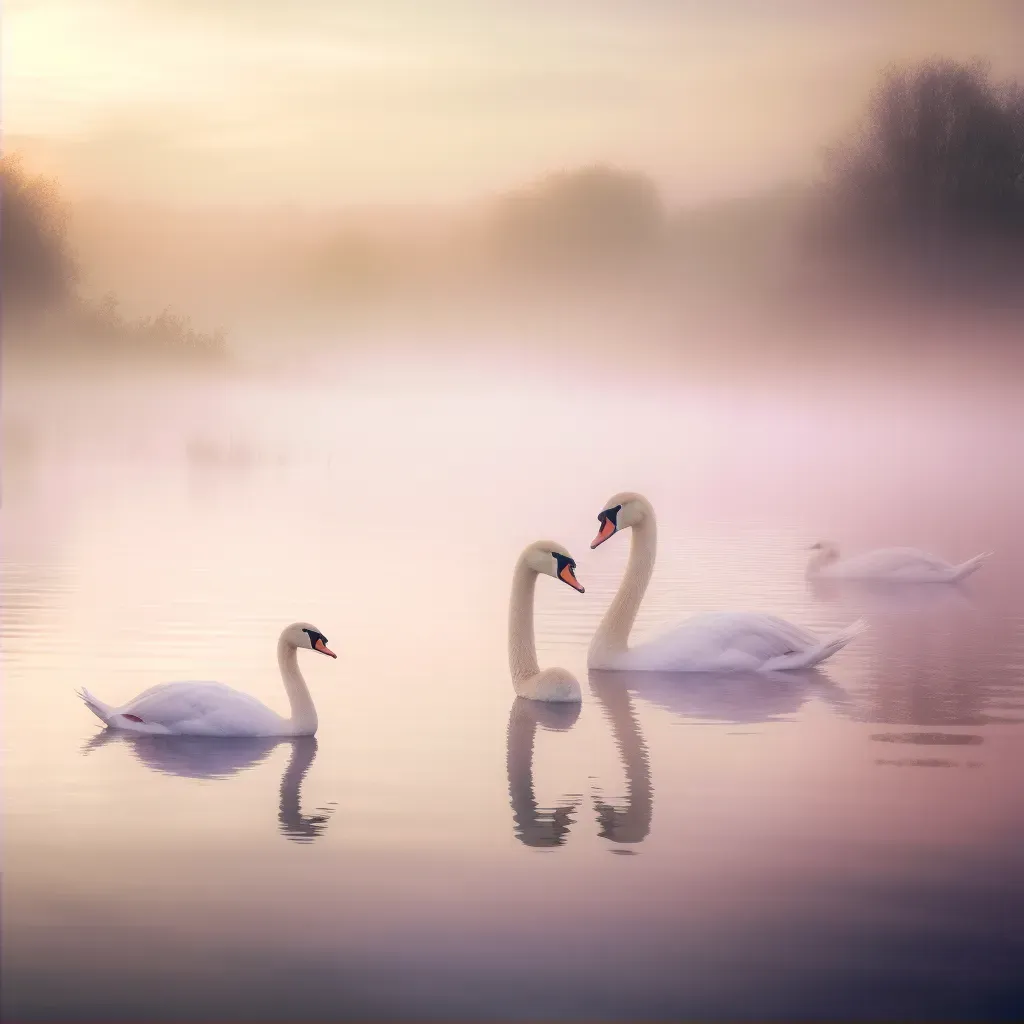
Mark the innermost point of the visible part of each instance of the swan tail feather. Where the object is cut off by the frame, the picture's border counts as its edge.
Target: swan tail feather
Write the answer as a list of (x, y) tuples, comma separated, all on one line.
[(964, 569), (96, 706), (815, 655)]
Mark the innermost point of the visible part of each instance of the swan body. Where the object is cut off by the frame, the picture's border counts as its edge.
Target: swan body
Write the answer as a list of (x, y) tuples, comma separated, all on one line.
[(710, 642), (553, 684), (901, 565), (213, 709)]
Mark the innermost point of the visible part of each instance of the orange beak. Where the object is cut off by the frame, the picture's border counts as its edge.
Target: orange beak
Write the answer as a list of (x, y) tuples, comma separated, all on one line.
[(607, 529), (568, 576), (324, 649)]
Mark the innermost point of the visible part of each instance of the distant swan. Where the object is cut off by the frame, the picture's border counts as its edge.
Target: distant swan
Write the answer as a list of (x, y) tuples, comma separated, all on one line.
[(553, 684), (712, 642), (213, 709), (900, 565)]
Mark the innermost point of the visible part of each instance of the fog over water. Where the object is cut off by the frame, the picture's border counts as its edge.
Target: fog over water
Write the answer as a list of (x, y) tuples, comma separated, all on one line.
[(846, 837), (320, 312)]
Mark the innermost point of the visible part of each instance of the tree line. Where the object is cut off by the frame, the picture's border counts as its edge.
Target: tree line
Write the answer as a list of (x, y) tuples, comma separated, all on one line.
[(932, 179)]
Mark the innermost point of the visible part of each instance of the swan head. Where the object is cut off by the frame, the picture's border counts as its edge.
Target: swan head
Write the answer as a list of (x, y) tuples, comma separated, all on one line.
[(823, 553), (620, 512), (551, 559), (305, 636)]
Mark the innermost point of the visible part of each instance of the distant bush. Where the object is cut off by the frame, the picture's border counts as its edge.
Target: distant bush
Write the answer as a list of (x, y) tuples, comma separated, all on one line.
[(576, 221), (166, 334)]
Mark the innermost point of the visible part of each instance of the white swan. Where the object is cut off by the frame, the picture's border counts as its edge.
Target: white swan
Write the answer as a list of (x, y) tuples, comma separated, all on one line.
[(901, 565), (712, 642), (553, 684), (213, 709)]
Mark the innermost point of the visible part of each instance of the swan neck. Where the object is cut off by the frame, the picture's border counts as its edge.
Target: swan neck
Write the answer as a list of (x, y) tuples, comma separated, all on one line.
[(530, 825), (821, 560), (522, 648), (303, 720), (519, 763), (289, 814), (612, 636), (632, 824)]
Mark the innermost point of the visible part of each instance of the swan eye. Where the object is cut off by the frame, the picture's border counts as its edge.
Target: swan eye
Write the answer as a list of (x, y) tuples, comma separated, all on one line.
[(314, 636), (609, 513)]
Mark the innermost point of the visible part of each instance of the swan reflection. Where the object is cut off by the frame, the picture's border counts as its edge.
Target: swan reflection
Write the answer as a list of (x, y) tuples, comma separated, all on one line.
[(533, 826), (886, 597), (741, 698), (632, 822), (734, 698), (936, 658), (206, 757)]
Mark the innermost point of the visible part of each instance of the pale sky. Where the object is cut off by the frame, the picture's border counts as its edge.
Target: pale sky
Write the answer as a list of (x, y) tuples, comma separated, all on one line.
[(339, 101)]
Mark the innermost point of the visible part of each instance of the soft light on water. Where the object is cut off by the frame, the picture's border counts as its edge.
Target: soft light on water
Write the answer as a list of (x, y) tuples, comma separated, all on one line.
[(843, 843)]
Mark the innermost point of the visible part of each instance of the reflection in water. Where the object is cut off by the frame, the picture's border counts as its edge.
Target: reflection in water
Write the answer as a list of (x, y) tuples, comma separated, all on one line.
[(632, 823), (293, 823), (534, 826), (938, 658), (206, 757), (929, 739), (886, 597), (735, 698), (942, 667), (925, 762)]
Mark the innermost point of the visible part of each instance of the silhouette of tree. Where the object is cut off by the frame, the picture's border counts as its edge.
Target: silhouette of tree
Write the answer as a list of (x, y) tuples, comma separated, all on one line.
[(937, 168), (37, 270), (38, 275)]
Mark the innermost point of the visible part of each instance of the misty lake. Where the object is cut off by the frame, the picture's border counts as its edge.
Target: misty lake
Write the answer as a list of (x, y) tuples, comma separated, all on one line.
[(848, 843)]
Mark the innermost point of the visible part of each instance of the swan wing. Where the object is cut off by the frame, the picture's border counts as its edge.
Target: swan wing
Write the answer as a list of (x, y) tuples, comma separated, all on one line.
[(894, 562), (203, 708), (722, 641)]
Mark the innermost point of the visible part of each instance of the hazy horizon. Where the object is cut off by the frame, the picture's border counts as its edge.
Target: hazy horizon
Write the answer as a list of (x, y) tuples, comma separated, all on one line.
[(311, 104)]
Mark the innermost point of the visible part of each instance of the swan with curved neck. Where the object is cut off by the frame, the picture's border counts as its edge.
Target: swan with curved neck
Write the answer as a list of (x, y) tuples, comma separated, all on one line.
[(553, 684), (712, 642), (213, 709), (898, 565)]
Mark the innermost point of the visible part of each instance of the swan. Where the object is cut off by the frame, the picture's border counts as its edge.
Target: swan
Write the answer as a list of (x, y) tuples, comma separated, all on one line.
[(553, 684), (213, 709), (712, 642), (900, 565)]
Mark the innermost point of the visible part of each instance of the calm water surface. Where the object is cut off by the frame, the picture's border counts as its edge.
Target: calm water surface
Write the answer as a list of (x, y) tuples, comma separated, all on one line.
[(842, 843)]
